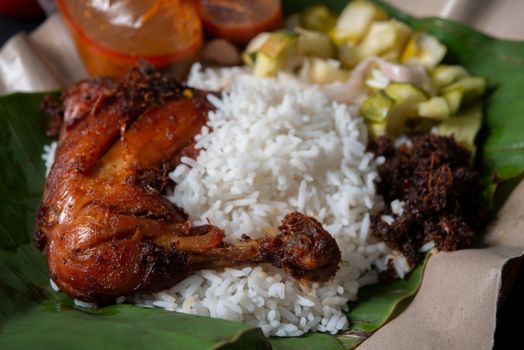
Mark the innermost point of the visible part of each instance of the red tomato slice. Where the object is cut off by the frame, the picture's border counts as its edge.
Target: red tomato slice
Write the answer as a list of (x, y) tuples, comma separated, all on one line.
[(239, 20)]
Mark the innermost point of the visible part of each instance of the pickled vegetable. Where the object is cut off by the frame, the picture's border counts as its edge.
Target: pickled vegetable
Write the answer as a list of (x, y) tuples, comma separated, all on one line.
[(348, 55), (464, 127), (453, 99), (435, 108), (424, 49), (405, 92), (326, 71), (394, 74), (471, 87), (445, 75), (407, 98), (311, 43), (275, 53), (355, 21), (375, 130), (376, 107), (249, 55), (386, 39), (392, 107), (318, 18)]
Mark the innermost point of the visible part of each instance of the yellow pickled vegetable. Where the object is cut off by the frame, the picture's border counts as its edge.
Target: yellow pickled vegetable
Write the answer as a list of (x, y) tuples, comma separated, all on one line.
[(424, 49), (386, 39), (355, 21)]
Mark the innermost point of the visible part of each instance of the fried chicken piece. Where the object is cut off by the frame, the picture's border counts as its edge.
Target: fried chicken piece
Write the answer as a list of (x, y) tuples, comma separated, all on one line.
[(103, 224)]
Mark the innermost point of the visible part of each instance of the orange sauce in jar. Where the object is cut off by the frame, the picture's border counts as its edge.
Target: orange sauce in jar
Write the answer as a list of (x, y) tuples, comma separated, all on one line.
[(113, 35)]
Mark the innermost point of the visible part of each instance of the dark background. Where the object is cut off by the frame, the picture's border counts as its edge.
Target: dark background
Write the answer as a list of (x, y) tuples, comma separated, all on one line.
[(10, 26), (511, 307)]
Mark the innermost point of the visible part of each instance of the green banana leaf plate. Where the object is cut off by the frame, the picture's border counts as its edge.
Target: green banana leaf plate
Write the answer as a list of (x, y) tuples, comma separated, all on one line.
[(32, 316)]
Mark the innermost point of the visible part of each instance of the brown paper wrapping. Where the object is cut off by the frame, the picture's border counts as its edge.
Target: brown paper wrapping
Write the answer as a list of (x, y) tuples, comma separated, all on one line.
[(456, 305)]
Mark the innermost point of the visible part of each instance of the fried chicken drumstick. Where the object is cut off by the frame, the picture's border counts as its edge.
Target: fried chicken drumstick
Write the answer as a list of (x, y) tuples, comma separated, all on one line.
[(103, 224)]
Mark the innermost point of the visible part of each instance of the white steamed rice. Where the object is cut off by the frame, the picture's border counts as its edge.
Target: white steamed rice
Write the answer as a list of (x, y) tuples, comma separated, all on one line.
[(276, 149)]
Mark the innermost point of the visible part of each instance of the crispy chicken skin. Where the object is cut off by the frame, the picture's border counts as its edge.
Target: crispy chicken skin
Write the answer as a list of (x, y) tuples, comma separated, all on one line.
[(103, 224)]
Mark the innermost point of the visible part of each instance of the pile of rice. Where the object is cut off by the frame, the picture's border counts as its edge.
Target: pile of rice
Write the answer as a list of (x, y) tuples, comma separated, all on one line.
[(275, 148)]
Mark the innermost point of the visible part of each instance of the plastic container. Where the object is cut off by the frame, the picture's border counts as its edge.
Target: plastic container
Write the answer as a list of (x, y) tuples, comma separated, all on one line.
[(112, 36)]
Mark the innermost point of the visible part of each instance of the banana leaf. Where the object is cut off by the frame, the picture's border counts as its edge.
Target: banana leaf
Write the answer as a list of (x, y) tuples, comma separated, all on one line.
[(33, 316)]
